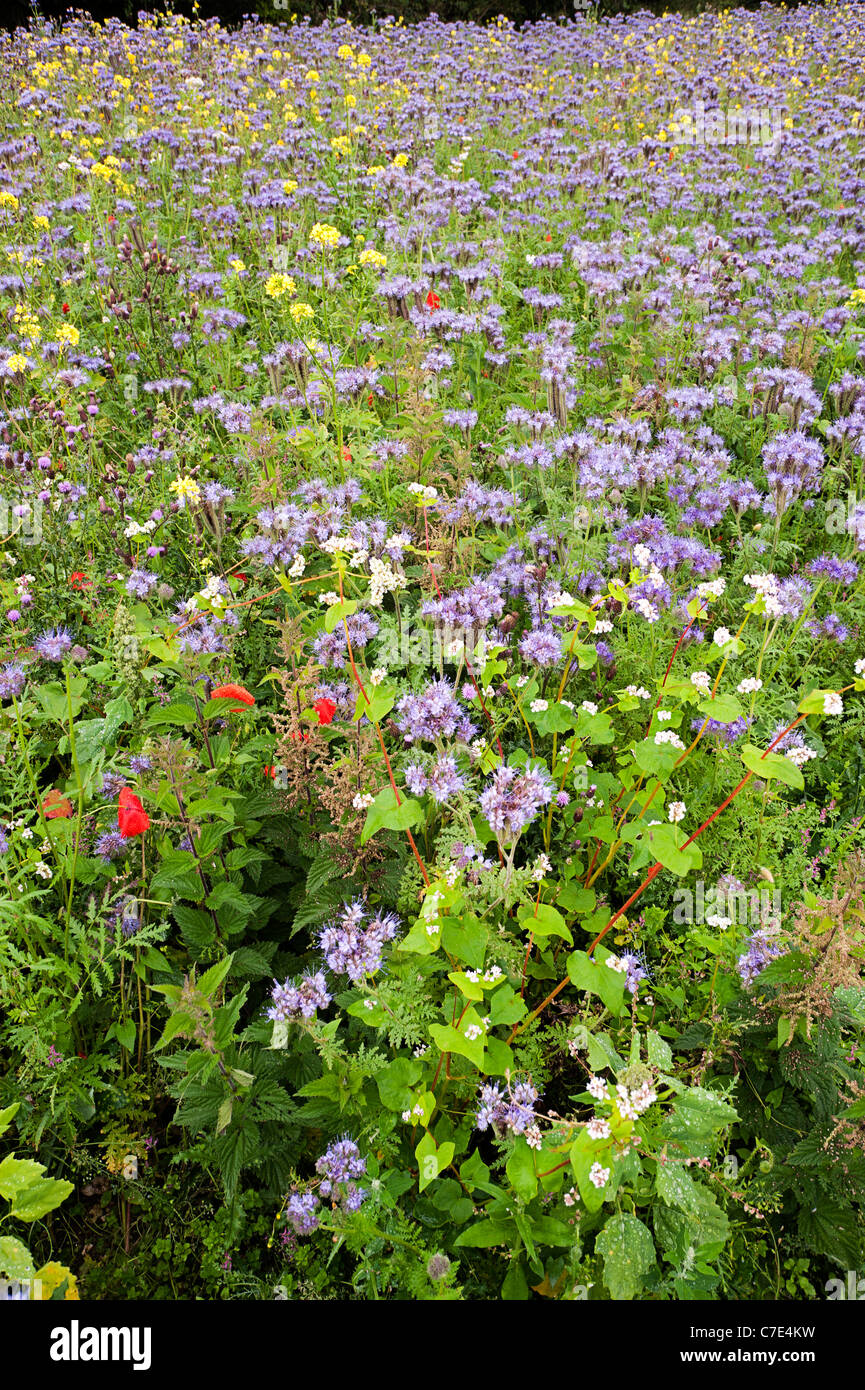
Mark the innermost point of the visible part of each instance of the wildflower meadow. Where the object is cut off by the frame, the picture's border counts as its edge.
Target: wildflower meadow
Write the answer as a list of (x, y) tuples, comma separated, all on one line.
[(432, 590)]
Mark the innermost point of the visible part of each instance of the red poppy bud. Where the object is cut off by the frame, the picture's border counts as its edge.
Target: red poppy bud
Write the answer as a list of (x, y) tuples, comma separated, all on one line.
[(433, 300)]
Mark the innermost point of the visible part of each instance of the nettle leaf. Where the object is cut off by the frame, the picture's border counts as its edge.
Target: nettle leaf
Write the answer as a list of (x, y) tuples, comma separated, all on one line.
[(386, 813), (769, 766), (628, 1252), (675, 1186), (543, 921), (659, 1052), (591, 973)]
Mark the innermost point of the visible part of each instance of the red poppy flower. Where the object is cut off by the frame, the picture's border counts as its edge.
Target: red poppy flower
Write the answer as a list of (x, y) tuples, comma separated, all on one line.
[(325, 709), (369, 400), (79, 580), (244, 578), (433, 300), (233, 692), (56, 806), (66, 308), (132, 819), (346, 453)]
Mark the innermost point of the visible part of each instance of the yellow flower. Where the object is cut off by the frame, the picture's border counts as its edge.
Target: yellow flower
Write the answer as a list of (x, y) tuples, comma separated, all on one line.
[(301, 313), (237, 266), (8, 200), (187, 489), (312, 76), (278, 285), (400, 161), (289, 185), (16, 363), (373, 258), (68, 333), (325, 236), (346, 52)]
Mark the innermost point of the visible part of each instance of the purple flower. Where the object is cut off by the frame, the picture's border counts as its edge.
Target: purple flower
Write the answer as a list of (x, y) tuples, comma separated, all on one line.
[(11, 680), (761, 950), (300, 1212), (352, 945), (513, 799), (339, 1166), (111, 846), (444, 779), (433, 715), (299, 1001), (53, 644), (512, 1111), (542, 646)]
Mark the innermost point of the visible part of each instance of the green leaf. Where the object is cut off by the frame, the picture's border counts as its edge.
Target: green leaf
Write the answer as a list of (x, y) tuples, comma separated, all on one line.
[(667, 844), (515, 1287), (8, 1115), (769, 766), (17, 1174), (337, 611), (386, 814), (484, 1234), (543, 921), (125, 1034), (725, 708), (15, 1259), (628, 1252), (450, 1039), (465, 938), (676, 1187), (432, 1159), (521, 1170), (43, 1196), (183, 715), (659, 1052), (815, 702), (592, 974), (395, 1082)]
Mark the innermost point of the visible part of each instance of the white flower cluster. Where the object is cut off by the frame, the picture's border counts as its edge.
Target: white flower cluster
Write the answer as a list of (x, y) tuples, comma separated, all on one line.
[(383, 580)]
